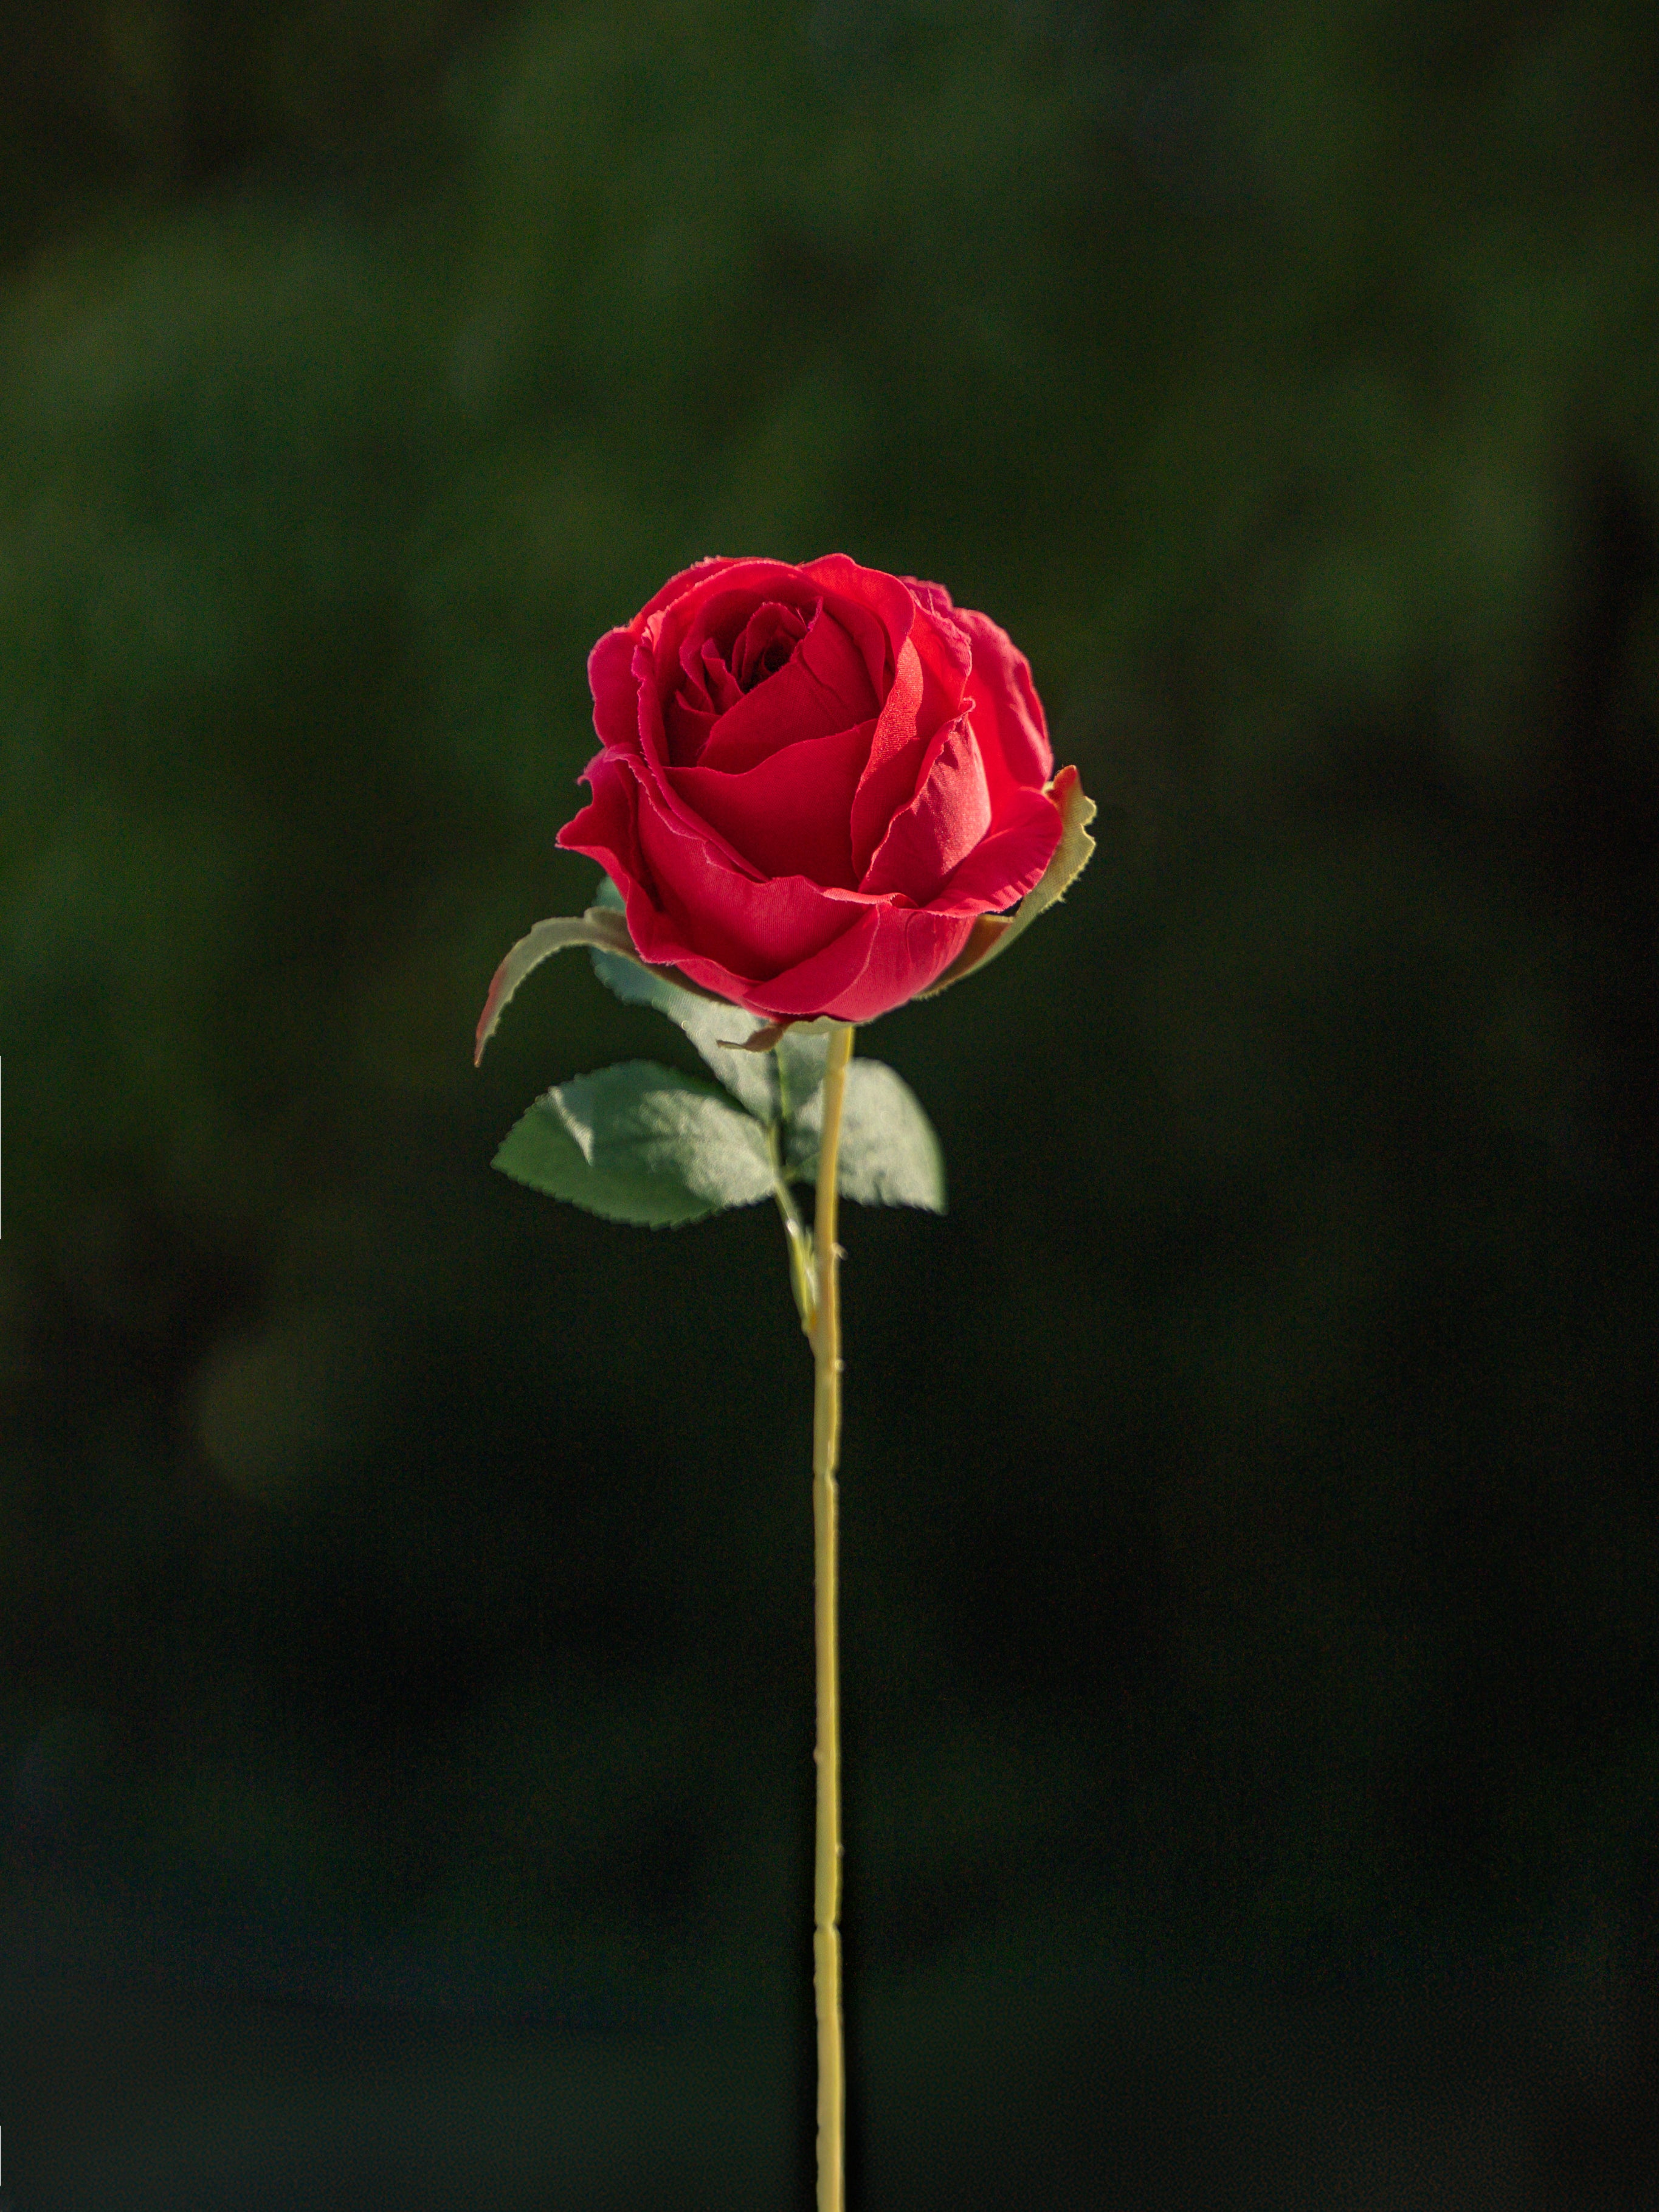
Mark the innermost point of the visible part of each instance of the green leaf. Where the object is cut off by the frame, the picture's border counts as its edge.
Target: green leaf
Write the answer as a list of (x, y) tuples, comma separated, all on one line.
[(640, 1143), (800, 1054), (890, 1153), (710, 1023)]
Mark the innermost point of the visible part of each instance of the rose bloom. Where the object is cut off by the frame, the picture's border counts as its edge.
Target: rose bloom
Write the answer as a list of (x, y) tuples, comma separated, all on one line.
[(812, 780)]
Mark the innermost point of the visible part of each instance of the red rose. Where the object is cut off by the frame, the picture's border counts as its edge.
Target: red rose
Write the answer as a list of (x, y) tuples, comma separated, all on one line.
[(812, 780)]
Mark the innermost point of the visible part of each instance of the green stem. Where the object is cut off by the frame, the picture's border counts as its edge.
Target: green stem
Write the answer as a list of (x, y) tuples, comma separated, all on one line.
[(801, 1270), (826, 1452)]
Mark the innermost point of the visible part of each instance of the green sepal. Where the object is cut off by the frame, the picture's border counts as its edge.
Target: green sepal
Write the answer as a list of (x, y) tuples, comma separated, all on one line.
[(596, 926), (889, 1152), (640, 1143)]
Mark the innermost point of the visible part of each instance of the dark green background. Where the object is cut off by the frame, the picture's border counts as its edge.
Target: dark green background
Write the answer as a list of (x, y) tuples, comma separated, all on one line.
[(1252, 1635)]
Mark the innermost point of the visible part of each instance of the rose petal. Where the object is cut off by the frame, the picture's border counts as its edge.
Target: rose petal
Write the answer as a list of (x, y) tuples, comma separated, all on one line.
[(897, 749), (831, 656), (716, 610), (823, 688), (884, 598), (789, 814), (811, 987), (606, 830), (772, 630), (940, 826), (1007, 714), (656, 767), (1007, 862), (754, 928), (877, 956), (722, 687), (832, 574), (933, 597), (701, 573), (893, 954), (707, 627), (685, 729), (875, 608), (993, 933), (695, 704), (616, 691), (946, 657)]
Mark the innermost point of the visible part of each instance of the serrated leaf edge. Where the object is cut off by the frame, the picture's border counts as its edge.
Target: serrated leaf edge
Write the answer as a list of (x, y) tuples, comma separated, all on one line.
[(675, 1079)]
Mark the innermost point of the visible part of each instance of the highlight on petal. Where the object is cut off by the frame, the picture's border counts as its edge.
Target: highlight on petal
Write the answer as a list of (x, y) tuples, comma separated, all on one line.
[(897, 747), (994, 933), (1007, 717)]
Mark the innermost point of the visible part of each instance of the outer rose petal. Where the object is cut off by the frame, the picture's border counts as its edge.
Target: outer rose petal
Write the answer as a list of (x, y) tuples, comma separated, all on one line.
[(896, 750), (607, 829), (1007, 714), (1009, 862), (877, 956), (754, 928), (616, 695), (892, 955), (929, 679), (700, 574), (868, 972), (946, 656)]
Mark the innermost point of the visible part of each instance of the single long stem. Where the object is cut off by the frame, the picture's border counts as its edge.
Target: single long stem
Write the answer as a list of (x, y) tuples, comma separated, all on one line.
[(826, 1453)]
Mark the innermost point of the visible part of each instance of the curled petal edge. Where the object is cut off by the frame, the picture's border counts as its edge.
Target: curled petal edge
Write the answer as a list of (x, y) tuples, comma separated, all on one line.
[(994, 933)]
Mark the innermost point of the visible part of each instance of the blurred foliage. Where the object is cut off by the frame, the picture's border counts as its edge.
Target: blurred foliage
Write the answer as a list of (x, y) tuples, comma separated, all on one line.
[(1248, 1521), (149, 101)]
